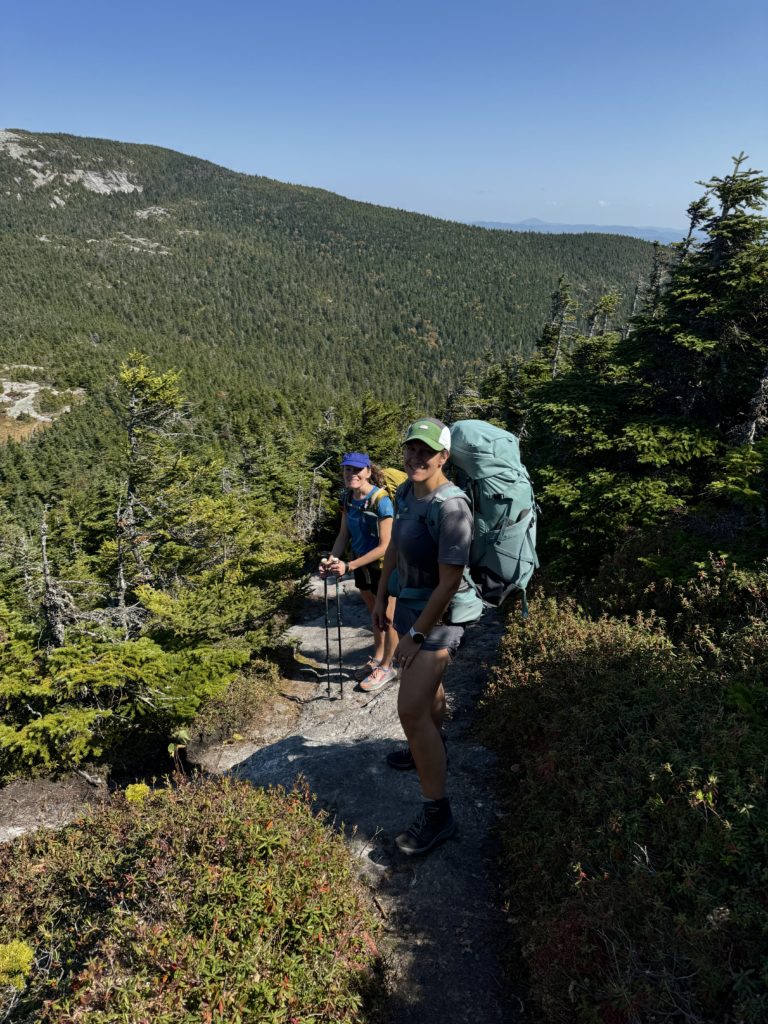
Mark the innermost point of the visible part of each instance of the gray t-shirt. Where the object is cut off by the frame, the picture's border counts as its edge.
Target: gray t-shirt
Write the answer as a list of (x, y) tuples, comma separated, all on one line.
[(418, 556)]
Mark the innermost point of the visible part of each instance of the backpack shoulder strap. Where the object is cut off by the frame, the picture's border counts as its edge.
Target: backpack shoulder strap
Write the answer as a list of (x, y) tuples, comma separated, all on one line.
[(402, 493), (373, 499), (371, 502), (434, 509), (436, 506)]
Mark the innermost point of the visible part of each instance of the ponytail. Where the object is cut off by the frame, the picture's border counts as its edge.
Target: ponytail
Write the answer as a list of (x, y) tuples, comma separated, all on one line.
[(377, 475)]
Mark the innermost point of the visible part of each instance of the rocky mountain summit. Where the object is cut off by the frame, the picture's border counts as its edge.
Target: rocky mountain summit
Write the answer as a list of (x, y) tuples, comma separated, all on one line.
[(37, 170)]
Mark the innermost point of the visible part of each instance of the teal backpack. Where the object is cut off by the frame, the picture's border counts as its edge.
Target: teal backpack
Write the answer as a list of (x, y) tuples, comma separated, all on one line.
[(486, 461)]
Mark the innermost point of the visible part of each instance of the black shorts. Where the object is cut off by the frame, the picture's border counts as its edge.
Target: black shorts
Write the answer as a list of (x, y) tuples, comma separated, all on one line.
[(368, 577)]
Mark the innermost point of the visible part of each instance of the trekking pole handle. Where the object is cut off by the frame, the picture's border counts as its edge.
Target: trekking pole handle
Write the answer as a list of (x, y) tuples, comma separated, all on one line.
[(328, 560), (334, 560)]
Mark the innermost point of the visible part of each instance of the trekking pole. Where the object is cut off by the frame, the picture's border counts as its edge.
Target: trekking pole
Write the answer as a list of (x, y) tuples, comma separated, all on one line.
[(338, 633), (327, 640)]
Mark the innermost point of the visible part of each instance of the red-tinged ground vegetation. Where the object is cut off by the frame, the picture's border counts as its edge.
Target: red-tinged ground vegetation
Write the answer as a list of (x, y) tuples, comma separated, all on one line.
[(205, 901), (634, 757)]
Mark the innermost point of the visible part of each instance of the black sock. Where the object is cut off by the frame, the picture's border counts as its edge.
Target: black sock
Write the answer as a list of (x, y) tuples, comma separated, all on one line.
[(441, 808)]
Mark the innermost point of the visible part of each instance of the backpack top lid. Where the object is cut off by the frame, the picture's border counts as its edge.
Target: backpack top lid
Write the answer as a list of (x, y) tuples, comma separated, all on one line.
[(480, 450)]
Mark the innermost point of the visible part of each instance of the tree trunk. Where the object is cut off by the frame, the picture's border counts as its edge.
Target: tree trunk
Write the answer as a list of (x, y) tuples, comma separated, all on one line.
[(58, 606), (757, 415)]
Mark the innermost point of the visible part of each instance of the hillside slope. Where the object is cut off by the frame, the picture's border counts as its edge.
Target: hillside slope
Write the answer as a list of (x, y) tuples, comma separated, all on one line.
[(257, 288)]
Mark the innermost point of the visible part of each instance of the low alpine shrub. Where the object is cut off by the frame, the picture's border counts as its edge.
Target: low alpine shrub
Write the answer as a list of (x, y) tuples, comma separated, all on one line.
[(233, 710), (635, 839), (207, 902)]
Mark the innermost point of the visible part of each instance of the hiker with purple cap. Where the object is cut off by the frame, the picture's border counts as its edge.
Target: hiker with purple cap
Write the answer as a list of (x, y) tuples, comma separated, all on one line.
[(366, 527)]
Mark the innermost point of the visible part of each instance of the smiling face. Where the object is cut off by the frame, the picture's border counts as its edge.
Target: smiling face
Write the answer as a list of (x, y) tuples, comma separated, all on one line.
[(421, 462), (355, 478)]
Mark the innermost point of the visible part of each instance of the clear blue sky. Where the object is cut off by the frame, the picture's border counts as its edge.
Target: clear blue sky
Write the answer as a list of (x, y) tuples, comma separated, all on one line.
[(579, 112)]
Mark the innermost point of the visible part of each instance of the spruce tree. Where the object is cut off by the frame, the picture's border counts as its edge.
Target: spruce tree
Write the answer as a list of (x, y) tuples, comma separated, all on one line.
[(627, 427)]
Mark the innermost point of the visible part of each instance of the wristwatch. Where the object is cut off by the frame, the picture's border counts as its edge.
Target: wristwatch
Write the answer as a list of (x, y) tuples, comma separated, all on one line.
[(416, 636)]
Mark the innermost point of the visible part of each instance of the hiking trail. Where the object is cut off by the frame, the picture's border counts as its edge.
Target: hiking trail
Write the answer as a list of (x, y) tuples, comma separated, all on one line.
[(441, 914)]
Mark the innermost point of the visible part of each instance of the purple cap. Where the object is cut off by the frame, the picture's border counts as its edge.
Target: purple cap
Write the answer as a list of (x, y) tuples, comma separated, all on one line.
[(356, 460)]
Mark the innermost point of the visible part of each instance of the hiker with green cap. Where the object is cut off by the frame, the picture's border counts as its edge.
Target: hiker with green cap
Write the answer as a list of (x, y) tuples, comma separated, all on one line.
[(362, 483), (425, 572)]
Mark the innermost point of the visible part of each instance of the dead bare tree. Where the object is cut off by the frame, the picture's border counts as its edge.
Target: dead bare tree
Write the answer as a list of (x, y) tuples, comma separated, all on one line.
[(635, 303), (57, 605), (756, 423), (309, 510)]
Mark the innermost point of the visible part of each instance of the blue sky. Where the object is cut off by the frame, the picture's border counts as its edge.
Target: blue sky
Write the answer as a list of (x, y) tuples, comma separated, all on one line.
[(591, 112)]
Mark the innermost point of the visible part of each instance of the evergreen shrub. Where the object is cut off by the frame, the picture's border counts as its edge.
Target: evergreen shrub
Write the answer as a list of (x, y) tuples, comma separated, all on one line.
[(209, 901), (234, 709), (634, 764), (48, 401), (99, 701)]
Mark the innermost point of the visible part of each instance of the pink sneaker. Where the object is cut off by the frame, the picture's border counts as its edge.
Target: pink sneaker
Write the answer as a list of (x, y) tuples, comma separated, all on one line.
[(378, 678), (363, 671)]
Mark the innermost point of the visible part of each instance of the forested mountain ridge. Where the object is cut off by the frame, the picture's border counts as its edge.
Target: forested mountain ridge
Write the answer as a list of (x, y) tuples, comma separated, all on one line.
[(260, 288)]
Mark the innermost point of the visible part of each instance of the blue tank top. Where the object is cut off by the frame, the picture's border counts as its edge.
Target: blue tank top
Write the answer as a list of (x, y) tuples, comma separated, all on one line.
[(362, 537)]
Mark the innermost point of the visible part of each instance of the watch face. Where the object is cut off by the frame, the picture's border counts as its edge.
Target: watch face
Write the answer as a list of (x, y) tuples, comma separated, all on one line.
[(418, 637)]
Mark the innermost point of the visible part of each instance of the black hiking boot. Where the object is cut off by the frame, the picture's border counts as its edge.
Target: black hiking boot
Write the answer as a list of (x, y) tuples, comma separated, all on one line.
[(402, 759), (433, 826)]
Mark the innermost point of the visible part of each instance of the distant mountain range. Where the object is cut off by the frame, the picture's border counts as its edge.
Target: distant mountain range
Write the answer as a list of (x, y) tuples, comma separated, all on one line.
[(664, 235)]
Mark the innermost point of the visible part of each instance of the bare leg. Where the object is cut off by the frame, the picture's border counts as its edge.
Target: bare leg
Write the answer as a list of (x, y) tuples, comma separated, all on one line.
[(421, 706), (390, 637), (369, 599), (438, 707), (384, 643)]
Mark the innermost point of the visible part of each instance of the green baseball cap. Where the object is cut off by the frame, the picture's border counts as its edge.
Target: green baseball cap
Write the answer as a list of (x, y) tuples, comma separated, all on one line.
[(433, 433)]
